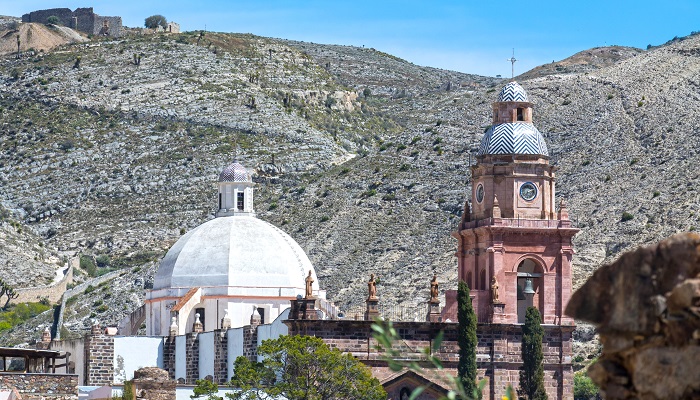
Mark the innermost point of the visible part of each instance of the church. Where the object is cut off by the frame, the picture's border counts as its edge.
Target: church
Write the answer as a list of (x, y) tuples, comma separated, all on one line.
[(236, 280)]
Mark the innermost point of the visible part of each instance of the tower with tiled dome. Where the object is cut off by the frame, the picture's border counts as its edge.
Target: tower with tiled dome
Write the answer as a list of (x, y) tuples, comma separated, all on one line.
[(514, 247)]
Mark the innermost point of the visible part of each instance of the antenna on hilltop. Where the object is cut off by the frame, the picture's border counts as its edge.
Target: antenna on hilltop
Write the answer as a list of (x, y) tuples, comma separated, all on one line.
[(512, 64)]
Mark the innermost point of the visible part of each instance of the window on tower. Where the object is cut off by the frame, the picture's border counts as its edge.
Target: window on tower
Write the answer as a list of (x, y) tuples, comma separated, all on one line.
[(240, 201), (520, 114)]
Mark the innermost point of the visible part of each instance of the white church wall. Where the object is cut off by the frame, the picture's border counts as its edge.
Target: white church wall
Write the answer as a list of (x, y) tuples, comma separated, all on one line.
[(134, 352), (180, 357), (76, 348), (273, 330), (235, 347), (206, 354)]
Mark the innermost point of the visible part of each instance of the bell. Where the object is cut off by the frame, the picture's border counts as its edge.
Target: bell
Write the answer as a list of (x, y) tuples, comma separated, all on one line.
[(528, 287)]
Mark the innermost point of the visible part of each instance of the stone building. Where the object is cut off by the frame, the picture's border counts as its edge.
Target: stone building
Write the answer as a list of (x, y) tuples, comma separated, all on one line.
[(234, 281), (82, 19)]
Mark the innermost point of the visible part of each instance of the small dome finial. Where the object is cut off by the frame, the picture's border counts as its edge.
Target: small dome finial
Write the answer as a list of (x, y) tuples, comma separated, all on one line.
[(235, 172)]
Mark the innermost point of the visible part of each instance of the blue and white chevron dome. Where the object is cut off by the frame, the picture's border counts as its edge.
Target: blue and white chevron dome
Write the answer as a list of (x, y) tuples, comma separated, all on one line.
[(513, 138), (512, 92)]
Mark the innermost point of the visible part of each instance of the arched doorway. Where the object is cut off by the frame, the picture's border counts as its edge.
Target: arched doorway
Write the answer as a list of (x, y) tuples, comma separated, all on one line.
[(529, 287)]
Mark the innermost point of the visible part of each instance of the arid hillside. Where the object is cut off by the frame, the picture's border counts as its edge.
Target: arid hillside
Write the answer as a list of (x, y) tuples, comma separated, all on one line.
[(360, 156)]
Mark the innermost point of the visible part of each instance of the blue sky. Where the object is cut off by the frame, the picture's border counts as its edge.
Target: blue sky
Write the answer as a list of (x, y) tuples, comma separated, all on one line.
[(467, 36)]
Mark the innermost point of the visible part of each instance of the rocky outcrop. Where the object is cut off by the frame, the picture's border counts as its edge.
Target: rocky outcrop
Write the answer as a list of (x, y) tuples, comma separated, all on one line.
[(646, 307), (153, 383)]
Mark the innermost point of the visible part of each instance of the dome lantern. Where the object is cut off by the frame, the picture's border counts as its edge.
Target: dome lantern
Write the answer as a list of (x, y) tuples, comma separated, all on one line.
[(235, 191), (512, 131)]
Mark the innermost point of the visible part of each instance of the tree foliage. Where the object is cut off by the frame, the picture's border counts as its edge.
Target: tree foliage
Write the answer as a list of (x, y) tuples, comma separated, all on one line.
[(205, 387), (154, 21), (466, 368), (19, 313), (532, 371), (53, 20), (303, 367), (584, 388), (7, 291)]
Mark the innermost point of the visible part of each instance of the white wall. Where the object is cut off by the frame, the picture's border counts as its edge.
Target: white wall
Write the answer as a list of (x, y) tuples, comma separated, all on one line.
[(206, 354), (180, 357), (76, 348), (235, 348), (134, 352), (273, 330)]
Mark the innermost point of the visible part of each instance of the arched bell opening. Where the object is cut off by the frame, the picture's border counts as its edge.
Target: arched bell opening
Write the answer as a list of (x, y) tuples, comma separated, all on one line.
[(529, 287)]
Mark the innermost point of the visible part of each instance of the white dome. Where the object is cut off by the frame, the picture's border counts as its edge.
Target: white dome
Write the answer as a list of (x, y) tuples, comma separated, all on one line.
[(238, 251)]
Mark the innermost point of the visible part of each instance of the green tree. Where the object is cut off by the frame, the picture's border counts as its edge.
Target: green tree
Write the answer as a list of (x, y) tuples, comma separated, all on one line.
[(154, 21), (532, 371), (466, 368), (303, 367), (53, 20), (128, 391), (584, 388), (205, 387)]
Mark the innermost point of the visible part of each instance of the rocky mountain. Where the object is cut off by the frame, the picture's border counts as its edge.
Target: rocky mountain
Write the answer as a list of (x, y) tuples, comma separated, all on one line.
[(25, 260), (360, 156), (584, 61)]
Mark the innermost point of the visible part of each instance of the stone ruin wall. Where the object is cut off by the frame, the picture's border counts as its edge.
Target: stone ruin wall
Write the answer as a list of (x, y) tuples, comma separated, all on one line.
[(114, 24), (86, 19), (65, 16), (52, 292), (41, 386)]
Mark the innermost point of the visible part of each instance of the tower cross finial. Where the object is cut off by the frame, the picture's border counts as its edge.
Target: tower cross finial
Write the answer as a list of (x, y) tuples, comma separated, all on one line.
[(512, 64)]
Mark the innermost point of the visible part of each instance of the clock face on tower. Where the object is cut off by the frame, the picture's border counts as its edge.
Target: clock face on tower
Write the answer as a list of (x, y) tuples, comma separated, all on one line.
[(528, 191), (480, 193)]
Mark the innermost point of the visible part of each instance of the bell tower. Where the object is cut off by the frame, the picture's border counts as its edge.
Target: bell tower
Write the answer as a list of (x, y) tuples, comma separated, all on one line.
[(514, 247)]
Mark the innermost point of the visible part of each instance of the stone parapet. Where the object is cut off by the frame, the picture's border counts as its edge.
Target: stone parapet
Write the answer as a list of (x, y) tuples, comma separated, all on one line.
[(41, 386), (498, 349)]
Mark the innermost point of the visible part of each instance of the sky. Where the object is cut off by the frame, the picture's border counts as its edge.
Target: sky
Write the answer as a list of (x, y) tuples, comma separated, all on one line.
[(475, 37)]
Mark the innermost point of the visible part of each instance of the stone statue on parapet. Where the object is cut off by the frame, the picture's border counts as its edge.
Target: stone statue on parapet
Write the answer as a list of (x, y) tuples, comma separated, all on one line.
[(309, 286), (434, 290), (372, 287)]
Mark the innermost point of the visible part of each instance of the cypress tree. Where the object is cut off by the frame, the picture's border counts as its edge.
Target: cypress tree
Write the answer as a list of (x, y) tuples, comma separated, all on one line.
[(532, 371), (466, 368)]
